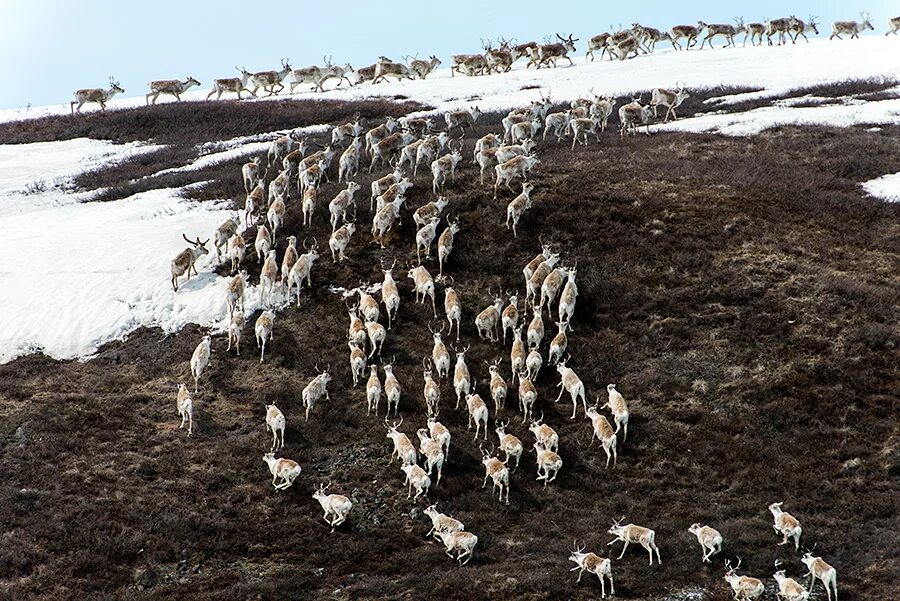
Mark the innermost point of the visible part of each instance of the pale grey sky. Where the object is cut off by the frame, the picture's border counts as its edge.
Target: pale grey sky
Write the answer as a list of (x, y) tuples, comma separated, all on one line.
[(51, 47)]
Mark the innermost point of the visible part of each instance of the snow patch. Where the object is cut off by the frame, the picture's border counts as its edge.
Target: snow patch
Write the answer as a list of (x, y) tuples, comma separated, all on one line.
[(886, 187)]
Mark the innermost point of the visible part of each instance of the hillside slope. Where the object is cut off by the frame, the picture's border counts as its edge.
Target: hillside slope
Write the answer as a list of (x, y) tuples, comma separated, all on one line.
[(741, 292)]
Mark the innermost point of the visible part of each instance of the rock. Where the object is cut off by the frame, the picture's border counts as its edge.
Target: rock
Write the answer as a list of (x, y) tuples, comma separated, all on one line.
[(146, 578)]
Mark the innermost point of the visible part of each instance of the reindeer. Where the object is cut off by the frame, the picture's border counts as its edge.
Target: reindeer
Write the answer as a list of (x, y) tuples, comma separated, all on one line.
[(341, 203), (788, 588), (377, 335), (535, 332), (302, 269), (511, 151), (336, 507), (332, 71), (533, 363), (669, 99), (745, 588), (893, 26), (268, 80), (254, 202), (500, 59), (275, 214), (544, 434), (557, 124), (236, 248), (311, 75), (509, 318), (428, 150), (286, 469), (550, 53), (777, 26), (384, 219), (593, 564), (368, 306), (340, 240), (559, 343), (442, 168), (509, 444), (357, 362), (96, 95), (798, 28), (462, 119), (603, 432), (571, 383), (629, 45), (425, 238), (517, 354), (392, 389), (268, 277), (264, 331), (786, 524), (852, 27), (478, 412), (376, 135), (316, 388), (709, 538), (470, 64), (684, 31), (452, 309), (282, 146), (235, 327), (357, 331), (423, 68), (231, 84), (365, 74), (630, 533), (753, 31), (438, 432), (424, 285), (169, 86), (386, 150), (418, 478), (433, 453), (275, 422), (445, 247), (223, 235), (649, 36), (598, 42), (488, 320), (547, 461), (441, 522), (568, 297), (185, 406), (497, 471), (527, 396), (391, 194), (463, 543), (390, 296), (462, 379), (373, 391), (619, 409), (632, 115), (726, 30), (439, 354), (551, 286), (290, 258), (498, 387), (524, 130), (187, 260), (517, 167), (820, 570), (386, 68), (348, 165)]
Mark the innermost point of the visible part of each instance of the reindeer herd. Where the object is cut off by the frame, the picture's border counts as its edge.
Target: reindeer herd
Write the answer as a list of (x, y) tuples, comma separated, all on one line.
[(621, 44), (296, 170)]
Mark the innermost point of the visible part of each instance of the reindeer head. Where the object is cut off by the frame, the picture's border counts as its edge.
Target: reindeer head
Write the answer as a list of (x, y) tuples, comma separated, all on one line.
[(866, 22), (114, 86), (500, 429), (461, 354), (568, 42), (578, 553), (426, 368), (320, 492), (392, 427), (285, 64), (811, 23), (199, 247), (731, 571), (617, 528)]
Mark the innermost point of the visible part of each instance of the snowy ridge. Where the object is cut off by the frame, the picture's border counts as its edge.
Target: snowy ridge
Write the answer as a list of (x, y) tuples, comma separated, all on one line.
[(112, 275)]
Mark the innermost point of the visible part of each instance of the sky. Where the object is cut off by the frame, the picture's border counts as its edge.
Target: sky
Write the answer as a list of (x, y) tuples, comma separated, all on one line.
[(49, 48)]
